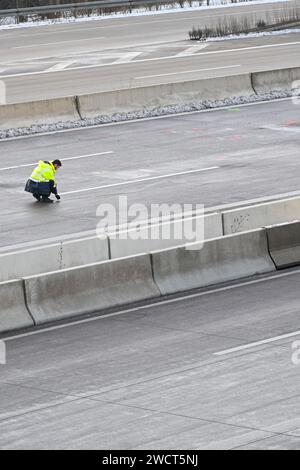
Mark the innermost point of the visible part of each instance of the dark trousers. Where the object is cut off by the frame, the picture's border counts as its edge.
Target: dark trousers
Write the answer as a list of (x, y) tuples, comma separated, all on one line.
[(39, 189)]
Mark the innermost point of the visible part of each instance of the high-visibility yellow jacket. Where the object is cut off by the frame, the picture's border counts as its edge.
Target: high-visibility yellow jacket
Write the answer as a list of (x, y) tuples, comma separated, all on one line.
[(44, 172)]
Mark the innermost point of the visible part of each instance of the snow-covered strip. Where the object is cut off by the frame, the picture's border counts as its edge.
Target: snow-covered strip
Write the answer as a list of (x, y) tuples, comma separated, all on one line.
[(9, 22), (145, 113), (253, 35)]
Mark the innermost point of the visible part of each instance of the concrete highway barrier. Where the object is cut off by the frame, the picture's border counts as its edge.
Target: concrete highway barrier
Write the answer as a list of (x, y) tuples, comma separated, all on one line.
[(89, 289), (169, 234), (88, 250), (135, 99), (54, 257), (13, 311), (275, 80), (38, 112), (284, 244), (260, 215), (95, 287), (83, 251), (220, 260), (17, 264), (68, 254)]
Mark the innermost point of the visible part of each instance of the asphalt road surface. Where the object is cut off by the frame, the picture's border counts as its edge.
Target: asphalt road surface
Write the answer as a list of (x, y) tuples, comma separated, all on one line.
[(63, 60), (162, 376), (212, 158), (163, 65), (38, 41)]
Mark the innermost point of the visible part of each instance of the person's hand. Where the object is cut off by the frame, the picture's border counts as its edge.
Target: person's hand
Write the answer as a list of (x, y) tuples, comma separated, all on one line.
[(57, 197)]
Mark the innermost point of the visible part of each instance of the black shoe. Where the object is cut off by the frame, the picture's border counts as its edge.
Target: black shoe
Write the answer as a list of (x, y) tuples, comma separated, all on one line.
[(37, 197), (47, 200)]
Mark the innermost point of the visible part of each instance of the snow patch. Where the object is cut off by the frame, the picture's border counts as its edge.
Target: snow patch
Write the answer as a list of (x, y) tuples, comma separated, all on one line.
[(253, 35)]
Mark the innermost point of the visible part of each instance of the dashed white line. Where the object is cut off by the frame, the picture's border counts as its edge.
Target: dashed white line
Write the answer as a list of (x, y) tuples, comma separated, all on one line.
[(257, 343), (57, 42), (140, 180), (62, 159), (187, 71)]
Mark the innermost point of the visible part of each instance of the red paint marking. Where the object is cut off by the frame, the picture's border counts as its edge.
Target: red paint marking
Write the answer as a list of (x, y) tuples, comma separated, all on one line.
[(291, 122)]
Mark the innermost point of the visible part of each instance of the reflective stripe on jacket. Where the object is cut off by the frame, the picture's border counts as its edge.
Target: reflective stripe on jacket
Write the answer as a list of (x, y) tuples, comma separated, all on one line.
[(44, 172)]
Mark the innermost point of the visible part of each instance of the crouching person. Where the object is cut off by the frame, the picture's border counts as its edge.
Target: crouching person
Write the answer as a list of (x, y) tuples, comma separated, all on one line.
[(42, 181)]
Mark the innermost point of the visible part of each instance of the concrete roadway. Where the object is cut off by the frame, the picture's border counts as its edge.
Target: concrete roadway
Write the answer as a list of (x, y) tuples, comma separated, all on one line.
[(215, 157), (128, 31), (62, 60), (151, 378), (162, 66)]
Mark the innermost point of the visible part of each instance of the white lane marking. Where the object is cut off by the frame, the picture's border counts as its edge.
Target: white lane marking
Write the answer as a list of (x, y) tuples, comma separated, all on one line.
[(57, 42), (154, 305), (127, 57), (24, 63), (95, 66), (257, 343), (156, 59), (123, 46), (192, 49), (249, 48), (284, 129), (152, 118), (188, 71), (141, 180), (62, 159), (60, 66)]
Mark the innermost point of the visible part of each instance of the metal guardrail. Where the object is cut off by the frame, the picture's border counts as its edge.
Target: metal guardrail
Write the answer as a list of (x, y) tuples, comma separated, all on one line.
[(80, 5)]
